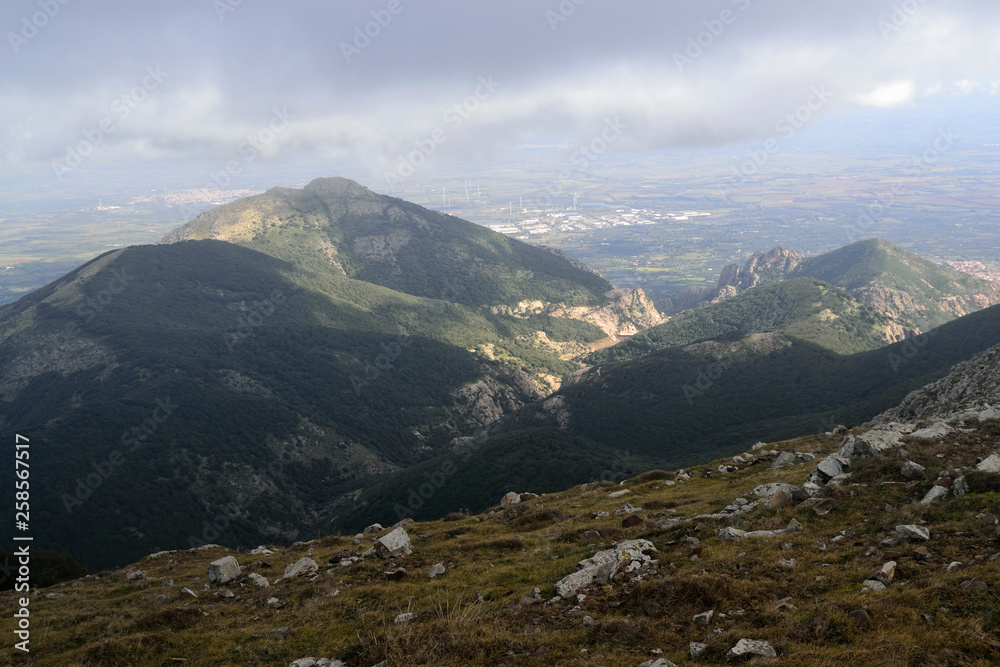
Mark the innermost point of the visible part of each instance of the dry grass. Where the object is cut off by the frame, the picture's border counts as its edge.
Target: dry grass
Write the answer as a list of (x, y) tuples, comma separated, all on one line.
[(926, 617)]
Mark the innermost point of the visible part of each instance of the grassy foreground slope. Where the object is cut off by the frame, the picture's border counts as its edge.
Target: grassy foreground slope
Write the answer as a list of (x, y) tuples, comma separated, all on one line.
[(801, 592)]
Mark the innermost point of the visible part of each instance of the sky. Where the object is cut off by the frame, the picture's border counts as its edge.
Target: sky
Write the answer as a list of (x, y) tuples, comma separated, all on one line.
[(386, 85)]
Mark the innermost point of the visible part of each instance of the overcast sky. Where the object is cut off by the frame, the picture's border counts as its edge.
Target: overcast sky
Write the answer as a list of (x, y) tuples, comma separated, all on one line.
[(189, 80)]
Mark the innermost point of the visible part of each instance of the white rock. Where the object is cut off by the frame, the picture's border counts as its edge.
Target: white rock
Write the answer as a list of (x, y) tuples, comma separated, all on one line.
[(913, 533), (261, 551), (936, 493), (405, 618), (619, 494), (938, 430), (768, 490), (960, 486), (784, 459), (752, 647), (258, 580), (704, 618), (300, 568), (512, 498), (436, 571), (697, 649), (223, 571), (374, 528), (874, 585), (912, 470), (659, 662), (990, 464), (601, 568), (396, 543)]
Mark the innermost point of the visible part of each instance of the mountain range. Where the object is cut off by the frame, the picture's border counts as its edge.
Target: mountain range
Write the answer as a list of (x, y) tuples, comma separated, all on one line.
[(314, 360)]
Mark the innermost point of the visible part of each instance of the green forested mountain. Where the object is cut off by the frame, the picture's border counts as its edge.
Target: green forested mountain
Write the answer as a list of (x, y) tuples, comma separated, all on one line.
[(917, 293), (336, 224), (248, 385), (684, 405), (803, 308)]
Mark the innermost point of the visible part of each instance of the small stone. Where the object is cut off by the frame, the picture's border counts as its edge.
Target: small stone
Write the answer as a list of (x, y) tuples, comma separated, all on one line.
[(279, 633), (704, 618), (990, 464), (872, 584), (988, 520), (936, 492), (787, 564), (975, 585), (824, 507), (619, 494), (697, 650), (626, 508), (261, 551), (587, 621), (224, 593), (188, 592), (374, 528), (512, 498), (301, 568), (527, 601), (592, 535), (953, 566), (405, 618), (821, 625), (749, 648), (660, 662), (785, 604), (258, 580), (436, 571), (138, 575), (885, 573), (912, 533), (160, 600), (860, 617)]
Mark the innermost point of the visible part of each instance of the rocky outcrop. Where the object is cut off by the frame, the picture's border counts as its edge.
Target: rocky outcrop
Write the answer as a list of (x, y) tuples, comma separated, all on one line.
[(969, 391), (629, 312), (604, 566)]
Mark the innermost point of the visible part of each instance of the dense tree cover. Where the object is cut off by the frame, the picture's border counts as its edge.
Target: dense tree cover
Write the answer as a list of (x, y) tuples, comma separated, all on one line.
[(804, 308), (266, 364)]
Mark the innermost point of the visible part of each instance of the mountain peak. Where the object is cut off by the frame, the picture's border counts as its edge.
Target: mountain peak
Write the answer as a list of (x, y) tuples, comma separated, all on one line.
[(338, 186)]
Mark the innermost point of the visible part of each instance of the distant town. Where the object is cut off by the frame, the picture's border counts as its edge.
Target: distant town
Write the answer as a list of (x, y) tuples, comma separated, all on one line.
[(587, 220), (977, 269)]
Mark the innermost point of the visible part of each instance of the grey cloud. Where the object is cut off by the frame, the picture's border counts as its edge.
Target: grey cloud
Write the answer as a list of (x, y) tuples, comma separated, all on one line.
[(565, 68)]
